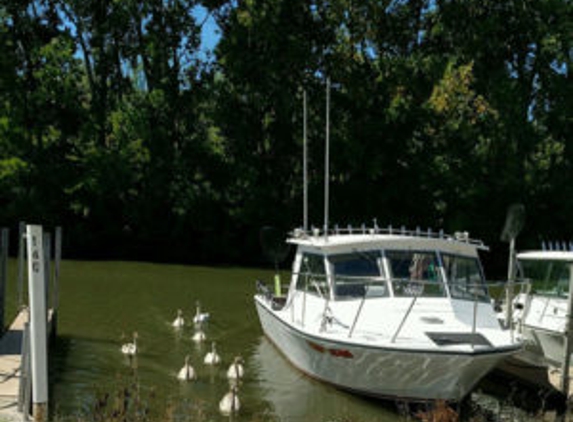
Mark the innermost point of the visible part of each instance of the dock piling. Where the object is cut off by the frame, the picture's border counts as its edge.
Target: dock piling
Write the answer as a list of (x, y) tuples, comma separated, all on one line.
[(568, 339), (47, 237), (56, 281), (21, 262), (3, 274), (57, 261), (24, 387), (38, 322)]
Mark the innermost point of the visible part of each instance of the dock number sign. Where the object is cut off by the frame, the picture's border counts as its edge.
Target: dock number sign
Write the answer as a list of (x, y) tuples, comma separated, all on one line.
[(35, 255)]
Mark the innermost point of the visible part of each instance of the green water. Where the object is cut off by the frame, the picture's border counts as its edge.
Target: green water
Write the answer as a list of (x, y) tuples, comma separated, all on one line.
[(102, 303)]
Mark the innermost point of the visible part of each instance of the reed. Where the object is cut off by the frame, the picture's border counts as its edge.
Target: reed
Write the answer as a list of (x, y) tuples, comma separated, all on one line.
[(128, 401)]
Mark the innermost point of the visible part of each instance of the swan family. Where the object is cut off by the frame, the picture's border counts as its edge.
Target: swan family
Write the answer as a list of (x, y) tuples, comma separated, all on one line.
[(179, 322), (130, 349), (230, 403), (187, 373), (212, 358), (236, 370), (200, 317)]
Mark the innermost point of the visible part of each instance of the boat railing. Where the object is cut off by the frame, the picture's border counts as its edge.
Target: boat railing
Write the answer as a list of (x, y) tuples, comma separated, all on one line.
[(276, 301), (432, 288), (357, 287), (389, 230), (480, 293)]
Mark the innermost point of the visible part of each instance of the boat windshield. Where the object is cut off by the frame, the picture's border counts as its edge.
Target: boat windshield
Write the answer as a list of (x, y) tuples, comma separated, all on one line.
[(415, 273), (358, 274), (312, 276), (465, 277), (548, 278)]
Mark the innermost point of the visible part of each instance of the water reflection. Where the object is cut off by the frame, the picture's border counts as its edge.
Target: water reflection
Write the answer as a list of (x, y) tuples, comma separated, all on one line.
[(295, 397)]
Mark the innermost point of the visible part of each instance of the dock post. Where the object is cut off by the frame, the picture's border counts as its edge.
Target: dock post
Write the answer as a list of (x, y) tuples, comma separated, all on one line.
[(47, 260), (21, 260), (25, 382), (568, 340), (56, 286), (38, 322), (3, 275)]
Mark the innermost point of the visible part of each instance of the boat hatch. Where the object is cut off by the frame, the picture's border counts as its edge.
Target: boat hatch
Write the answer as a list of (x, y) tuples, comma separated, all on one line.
[(454, 339)]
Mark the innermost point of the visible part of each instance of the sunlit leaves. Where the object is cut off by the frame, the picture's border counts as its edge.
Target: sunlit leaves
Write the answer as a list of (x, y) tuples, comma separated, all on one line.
[(454, 98), (10, 169)]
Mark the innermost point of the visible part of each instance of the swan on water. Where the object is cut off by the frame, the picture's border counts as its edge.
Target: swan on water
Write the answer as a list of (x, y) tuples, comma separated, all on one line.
[(200, 317), (130, 349), (236, 370), (187, 373), (199, 335), (230, 402), (179, 321), (212, 358)]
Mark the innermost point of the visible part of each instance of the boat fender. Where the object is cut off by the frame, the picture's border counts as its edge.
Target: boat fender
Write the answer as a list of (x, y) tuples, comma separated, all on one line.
[(277, 285)]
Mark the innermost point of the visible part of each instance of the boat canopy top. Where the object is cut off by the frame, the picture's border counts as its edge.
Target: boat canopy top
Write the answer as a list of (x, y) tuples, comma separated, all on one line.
[(338, 241)]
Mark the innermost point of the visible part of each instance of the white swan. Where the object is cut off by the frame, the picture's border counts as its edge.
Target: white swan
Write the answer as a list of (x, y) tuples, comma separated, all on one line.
[(212, 358), (236, 370), (230, 402), (187, 373), (200, 317), (130, 349), (199, 335), (179, 321)]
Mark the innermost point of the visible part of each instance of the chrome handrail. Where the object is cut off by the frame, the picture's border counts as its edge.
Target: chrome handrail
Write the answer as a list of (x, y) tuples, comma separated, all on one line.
[(480, 293), (414, 299), (462, 237), (474, 321)]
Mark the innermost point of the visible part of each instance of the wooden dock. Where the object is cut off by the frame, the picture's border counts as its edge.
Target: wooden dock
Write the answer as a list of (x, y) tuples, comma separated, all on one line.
[(10, 364), (19, 386)]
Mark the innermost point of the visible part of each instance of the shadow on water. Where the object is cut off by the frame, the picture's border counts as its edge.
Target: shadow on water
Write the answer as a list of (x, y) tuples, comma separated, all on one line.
[(58, 357), (506, 395)]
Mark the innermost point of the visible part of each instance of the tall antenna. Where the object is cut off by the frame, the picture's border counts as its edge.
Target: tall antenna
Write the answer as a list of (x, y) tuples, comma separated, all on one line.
[(304, 166), (326, 158)]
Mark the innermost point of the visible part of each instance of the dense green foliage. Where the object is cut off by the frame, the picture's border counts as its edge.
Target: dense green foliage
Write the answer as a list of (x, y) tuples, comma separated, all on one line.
[(115, 124)]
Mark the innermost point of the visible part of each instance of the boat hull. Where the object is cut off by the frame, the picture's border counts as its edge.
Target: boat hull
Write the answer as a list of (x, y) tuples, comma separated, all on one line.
[(379, 371), (551, 343)]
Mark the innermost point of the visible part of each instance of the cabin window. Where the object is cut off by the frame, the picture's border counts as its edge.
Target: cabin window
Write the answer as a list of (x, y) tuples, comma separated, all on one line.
[(465, 278), (312, 275), (358, 274), (415, 273), (549, 278)]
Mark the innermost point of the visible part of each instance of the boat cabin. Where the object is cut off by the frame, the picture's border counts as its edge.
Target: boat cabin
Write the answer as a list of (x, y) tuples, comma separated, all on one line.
[(549, 272), (546, 305), (347, 267)]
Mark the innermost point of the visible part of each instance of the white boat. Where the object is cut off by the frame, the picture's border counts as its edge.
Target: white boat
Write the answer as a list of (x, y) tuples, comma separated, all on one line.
[(540, 316), (387, 313)]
